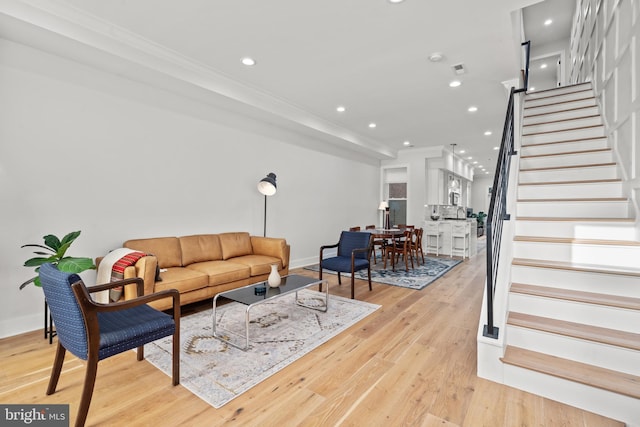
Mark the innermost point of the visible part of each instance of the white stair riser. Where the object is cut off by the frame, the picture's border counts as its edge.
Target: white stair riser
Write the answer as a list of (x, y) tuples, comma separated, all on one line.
[(620, 256), (560, 115), (570, 311), (592, 353), (577, 230), (606, 209), (559, 160), (612, 405), (564, 147), (581, 88), (556, 191), (614, 284), (557, 99), (569, 174), (531, 110), (564, 135), (561, 125)]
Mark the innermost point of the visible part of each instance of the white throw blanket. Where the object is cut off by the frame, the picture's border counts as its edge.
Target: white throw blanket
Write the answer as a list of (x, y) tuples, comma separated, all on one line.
[(104, 272)]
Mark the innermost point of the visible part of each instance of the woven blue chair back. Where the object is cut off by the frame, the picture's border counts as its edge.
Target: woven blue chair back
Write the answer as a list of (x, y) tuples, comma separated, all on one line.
[(350, 240), (65, 310)]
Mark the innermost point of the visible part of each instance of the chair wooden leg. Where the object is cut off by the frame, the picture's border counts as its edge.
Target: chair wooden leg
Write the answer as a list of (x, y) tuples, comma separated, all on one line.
[(57, 368), (339, 279), (140, 353), (87, 390), (369, 271), (320, 278), (353, 294), (176, 355)]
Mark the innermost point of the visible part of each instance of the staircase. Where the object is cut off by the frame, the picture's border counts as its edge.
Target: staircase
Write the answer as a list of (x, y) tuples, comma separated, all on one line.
[(573, 326)]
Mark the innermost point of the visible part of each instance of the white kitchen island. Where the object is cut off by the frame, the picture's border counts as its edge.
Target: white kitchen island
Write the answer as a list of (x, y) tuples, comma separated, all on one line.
[(445, 227)]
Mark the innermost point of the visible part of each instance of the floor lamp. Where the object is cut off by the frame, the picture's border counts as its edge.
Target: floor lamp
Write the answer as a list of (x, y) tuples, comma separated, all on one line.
[(384, 206), (267, 186)]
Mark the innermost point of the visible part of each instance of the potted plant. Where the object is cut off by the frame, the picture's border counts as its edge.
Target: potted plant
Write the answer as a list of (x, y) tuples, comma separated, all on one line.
[(480, 218), (56, 250)]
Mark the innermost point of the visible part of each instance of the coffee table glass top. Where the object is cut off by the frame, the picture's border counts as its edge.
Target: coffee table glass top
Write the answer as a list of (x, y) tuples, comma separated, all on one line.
[(251, 294)]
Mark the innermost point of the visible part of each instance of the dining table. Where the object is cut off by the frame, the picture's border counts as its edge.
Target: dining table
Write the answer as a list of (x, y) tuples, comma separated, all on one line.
[(387, 234)]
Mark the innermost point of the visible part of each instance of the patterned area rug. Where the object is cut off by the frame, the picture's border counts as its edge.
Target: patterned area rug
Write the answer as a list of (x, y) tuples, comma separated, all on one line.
[(280, 332), (416, 278)]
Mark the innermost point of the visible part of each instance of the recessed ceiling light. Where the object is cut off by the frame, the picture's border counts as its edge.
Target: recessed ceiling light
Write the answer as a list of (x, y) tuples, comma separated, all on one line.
[(455, 83), (548, 22), (395, 1), (496, 148), (543, 66), (341, 109), (475, 163), (462, 151), (472, 109), (406, 143), (480, 166), (436, 57), (372, 125), (531, 89), (248, 61), (486, 173), (469, 158), (487, 133)]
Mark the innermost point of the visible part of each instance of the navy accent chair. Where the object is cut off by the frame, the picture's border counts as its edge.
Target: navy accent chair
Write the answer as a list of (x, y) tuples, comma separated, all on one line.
[(93, 331), (354, 250)]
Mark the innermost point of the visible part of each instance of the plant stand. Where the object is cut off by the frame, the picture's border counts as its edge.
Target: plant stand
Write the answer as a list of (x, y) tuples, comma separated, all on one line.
[(48, 324)]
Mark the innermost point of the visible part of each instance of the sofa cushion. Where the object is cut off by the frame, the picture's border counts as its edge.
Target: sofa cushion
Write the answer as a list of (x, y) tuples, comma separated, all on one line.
[(199, 248), (220, 272), (235, 244), (259, 264), (271, 247), (165, 249), (182, 279)]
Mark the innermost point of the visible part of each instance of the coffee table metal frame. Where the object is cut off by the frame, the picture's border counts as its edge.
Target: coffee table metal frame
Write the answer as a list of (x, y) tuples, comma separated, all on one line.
[(244, 295)]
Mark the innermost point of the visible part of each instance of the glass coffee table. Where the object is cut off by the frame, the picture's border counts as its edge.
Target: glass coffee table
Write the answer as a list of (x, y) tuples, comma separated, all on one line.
[(261, 292)]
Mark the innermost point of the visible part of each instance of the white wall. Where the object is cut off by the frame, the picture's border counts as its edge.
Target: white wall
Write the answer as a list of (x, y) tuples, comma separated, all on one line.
[(605, 49), (479, 193), (85, 150)]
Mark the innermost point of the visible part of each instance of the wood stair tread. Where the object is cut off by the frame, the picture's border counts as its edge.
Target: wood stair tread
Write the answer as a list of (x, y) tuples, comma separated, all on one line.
[(562, 130), (608, 300), (563, 141), (573, 219), (607, 379), (566, 153), (577, 199), (591, 116), (584, 181), (556, 112), (577, 241), (589, 165), (576, 330), (572, 266)]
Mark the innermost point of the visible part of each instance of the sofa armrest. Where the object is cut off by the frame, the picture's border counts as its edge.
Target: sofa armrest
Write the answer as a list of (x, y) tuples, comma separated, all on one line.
[(144, 268), (271, 246)]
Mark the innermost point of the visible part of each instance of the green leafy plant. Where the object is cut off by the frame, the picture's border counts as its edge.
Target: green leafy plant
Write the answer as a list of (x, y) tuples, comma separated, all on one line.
[(480, 217), (56, 250)]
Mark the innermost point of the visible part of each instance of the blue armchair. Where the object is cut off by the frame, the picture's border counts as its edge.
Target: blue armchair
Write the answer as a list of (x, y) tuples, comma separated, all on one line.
[(93, 331), (354, 249)]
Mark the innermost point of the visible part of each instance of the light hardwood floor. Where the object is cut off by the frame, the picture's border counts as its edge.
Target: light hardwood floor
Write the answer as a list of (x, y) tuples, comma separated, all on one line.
[(411, 363)]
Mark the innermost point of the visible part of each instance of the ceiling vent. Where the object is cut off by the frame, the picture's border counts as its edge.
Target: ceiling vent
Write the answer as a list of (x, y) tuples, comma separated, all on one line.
[(459, 69)]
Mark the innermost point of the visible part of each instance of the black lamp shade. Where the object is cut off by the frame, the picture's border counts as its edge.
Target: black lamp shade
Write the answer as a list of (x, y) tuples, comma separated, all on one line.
[(267, 185)]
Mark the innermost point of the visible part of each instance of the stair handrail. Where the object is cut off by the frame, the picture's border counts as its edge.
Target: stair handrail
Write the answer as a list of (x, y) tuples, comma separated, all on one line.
[(498, 205)]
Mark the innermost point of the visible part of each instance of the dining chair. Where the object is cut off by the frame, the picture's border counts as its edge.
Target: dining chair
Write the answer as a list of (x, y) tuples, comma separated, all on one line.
[(376, 243), (400, 245), (93, 332), (356, 228), (416, 245), (353, 255)]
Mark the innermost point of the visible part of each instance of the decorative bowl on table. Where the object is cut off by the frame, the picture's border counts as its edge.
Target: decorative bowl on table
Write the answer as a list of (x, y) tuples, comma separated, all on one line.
[(435, 217)]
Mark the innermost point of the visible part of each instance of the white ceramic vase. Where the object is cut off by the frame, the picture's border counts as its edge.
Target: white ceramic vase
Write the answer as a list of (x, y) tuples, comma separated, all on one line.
[(274, 277)]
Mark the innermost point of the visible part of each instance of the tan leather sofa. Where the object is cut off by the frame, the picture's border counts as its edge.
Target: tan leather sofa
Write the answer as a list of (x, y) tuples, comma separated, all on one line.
[(200, 266)]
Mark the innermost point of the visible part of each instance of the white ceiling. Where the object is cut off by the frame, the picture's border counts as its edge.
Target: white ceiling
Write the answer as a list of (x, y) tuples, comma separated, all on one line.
[(370, 56)]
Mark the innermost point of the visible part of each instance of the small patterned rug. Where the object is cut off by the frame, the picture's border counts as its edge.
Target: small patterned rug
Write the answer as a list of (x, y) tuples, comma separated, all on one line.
[(280, 333), (416, 278)]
